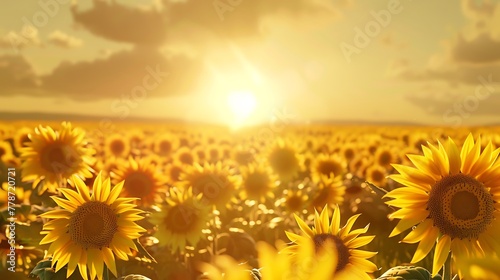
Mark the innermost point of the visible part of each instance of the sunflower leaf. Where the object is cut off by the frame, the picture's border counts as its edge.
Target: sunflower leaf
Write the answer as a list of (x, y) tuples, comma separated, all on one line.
[(143, 250)]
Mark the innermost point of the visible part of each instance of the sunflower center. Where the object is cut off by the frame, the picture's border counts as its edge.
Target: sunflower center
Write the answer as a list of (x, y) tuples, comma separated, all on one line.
[(327, 167), (117, 147), (342, 250), (460, 206), (58, 158), (93, 225), (181, 219), (294, 203), (138, 184), (165, 147)]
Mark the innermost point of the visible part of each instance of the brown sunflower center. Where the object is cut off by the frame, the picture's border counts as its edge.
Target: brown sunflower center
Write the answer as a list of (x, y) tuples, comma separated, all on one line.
[(460, 206), (117, 147), (93, 225), (329, 166), (385, 158), (186, 158), (342, 250), (294, 202), (181, 219), (139, 184), (58, 158), (165, 147), (377, 175)]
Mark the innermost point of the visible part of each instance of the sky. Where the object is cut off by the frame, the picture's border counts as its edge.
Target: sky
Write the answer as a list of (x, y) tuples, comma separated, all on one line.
[(428, 62)]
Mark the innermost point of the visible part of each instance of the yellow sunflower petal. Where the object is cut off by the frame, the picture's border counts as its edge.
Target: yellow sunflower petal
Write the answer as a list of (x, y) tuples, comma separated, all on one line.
[(441, 253)]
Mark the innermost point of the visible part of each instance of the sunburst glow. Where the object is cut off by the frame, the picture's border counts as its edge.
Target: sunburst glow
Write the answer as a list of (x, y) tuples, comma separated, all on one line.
[(242, 104)]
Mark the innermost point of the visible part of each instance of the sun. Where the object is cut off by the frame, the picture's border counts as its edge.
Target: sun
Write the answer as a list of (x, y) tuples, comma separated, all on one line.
[(242, 104)]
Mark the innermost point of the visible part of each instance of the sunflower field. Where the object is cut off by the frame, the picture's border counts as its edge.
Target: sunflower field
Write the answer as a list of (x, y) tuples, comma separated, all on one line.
[(159, 201)]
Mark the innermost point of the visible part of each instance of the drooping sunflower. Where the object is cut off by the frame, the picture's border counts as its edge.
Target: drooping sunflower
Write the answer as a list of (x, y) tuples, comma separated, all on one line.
[(450, 197), (181, 220), (55, 155), (351, 260), (88, 231), (214, 181), (141, 180)]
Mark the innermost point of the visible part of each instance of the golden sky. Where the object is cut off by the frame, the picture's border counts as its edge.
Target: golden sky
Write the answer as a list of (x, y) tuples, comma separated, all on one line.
[(431, 62)]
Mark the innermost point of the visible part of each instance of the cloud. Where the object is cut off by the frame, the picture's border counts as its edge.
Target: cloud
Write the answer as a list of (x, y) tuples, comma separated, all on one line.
[(482, 49), (472, 52), (122, 23), (121, 72), (63, 40), (175, 20), (28, 36), (16, 73)]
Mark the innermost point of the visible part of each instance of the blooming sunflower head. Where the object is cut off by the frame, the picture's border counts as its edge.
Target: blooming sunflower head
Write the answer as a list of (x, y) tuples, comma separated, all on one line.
[(181, 220), (257, 182), (330, 165), (449, 197), (215, 182), (351, 260), (140, 180), (117, 146), (88, 231), (284, 160), (329, 191), (55, 155)]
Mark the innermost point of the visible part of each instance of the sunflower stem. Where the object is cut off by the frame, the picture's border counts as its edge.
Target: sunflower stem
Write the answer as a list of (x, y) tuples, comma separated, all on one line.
[(447, 268), (106, 272)]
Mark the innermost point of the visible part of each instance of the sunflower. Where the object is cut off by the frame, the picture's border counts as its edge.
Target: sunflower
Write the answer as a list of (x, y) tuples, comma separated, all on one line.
[(164, 144), (275, 266), (330, 165), (450, 200), (5, 150), (351, 261), (376, 174), (141, 180), (480, 268), (117, 146), (306, 265), (181, 220), (224, 267), (173, 172), (54, 156), (214, 181), (21, 138), (384, 156), (295, 201), (330, 191), (258, 183), (284, 160), (185, 156), (88, 231)]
